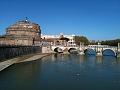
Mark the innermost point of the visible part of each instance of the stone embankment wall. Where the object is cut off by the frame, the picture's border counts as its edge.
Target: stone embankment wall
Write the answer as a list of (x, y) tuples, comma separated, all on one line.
[(7, 63), (24, 58), (15, 54), (7, 52)]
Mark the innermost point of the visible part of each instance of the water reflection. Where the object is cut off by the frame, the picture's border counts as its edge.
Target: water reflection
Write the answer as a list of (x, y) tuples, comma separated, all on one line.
[(99, 60), (21, 78), (63, 72), (82, 60)]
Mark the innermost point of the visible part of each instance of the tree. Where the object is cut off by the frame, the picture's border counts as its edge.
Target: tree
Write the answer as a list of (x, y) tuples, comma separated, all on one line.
[(111, 42), (81, 39)]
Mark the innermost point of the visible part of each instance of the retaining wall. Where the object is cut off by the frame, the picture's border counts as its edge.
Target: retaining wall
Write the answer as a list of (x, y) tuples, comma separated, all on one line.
[(7, 52)]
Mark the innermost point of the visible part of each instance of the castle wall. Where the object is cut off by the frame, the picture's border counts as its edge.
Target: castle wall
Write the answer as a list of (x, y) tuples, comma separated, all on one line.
[(22, 33)]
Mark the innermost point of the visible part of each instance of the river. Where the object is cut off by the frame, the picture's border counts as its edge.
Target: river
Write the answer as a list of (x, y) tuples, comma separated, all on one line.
[(63, 72)]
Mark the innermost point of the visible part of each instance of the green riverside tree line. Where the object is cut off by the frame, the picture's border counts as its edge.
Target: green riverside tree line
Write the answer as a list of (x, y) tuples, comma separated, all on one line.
[(83, 39)]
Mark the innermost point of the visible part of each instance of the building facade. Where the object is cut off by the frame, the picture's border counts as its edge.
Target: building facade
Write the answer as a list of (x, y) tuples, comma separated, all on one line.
[(56, 39)]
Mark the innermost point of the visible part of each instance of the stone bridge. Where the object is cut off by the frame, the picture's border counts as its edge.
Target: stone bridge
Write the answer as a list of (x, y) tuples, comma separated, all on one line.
[(100, 50), (89, 50), (64, 48)]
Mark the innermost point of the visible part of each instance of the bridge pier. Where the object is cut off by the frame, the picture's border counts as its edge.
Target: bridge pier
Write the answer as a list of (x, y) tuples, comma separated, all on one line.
[(118, 50)]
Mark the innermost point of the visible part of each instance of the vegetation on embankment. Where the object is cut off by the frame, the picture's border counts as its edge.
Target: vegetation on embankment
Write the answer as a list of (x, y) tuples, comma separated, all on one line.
[(108, 42), (83, 39)]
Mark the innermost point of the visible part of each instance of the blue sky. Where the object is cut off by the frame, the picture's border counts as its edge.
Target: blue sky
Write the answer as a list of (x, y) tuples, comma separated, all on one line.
[(95, 19)]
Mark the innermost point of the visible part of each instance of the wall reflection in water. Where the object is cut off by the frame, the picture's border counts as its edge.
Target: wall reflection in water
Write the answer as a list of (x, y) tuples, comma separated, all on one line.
[(20, 76)]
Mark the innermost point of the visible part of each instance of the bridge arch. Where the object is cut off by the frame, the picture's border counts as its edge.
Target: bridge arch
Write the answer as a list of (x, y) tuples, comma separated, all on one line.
[(58, 50), (108, 52), (72, 50), (89, 51)]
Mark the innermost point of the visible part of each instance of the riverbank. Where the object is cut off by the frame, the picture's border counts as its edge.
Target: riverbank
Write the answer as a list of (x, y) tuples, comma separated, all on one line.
[(24, 58)]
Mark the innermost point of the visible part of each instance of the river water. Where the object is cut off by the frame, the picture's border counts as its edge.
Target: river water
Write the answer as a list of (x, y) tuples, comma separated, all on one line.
[(63, 72)]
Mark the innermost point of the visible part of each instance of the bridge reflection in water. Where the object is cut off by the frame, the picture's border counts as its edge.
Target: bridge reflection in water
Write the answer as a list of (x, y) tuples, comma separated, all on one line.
[(63, 72)]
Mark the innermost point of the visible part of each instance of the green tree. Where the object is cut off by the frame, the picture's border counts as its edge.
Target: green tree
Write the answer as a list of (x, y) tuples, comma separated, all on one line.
[(111, 42), (81, 39)]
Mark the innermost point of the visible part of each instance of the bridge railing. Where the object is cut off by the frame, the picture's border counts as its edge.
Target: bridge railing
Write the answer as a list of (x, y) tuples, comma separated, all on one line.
[(101, 46)]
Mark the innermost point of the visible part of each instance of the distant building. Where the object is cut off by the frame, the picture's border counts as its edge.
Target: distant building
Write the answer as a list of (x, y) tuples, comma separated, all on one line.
[(22, 32), (56, 39)]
